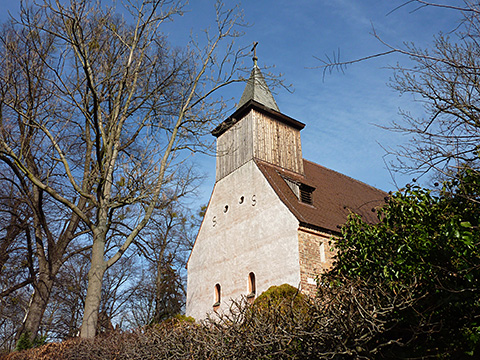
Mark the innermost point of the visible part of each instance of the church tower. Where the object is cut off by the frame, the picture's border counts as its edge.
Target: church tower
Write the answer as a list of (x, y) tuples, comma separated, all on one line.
[(271, 213), (257, 129)]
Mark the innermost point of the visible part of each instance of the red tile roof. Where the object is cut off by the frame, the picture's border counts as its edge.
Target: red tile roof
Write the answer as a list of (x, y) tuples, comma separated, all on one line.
[(335, 195)]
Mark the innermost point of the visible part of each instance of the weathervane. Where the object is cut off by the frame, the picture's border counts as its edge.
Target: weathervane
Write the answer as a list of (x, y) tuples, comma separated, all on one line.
[(254, 49)]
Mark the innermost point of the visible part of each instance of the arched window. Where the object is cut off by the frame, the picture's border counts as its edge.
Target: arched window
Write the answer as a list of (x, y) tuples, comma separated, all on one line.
[(218, 296), (252, 287)]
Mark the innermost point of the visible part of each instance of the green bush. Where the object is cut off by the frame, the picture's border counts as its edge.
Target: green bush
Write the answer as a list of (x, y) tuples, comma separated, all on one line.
[(283, 297), (25, 343)]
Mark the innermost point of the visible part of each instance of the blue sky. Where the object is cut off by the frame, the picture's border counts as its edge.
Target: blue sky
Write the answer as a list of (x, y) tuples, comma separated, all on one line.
[(340, 111)]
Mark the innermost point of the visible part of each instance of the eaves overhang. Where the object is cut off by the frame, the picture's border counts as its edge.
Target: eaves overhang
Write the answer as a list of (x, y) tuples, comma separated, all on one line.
[(255, 105)]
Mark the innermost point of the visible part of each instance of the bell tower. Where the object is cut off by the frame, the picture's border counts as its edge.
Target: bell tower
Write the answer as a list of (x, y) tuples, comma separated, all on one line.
[(258, 130)]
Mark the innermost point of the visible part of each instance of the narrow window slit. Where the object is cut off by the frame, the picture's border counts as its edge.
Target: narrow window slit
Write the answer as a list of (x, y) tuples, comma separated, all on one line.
[(218, 296)]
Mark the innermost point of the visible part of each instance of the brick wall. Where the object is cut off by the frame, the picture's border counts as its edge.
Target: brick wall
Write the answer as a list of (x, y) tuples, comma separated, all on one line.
[(316, 256)]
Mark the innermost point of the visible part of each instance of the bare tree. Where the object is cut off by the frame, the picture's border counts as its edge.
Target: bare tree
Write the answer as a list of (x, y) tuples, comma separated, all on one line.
[(445, 80), (17, 267), (63, 316), (65, 309), (33, 248), (49, 229), (166, 245), (119, 107)]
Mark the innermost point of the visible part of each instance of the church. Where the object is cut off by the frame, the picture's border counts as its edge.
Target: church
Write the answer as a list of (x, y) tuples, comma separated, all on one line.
[(271, 213)]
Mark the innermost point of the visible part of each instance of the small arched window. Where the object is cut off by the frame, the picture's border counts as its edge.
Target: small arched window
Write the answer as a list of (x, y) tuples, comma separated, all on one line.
[(218, 296), (252, 287)]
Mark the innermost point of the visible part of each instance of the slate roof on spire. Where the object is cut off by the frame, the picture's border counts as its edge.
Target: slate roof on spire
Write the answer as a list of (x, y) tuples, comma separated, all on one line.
[(257, 89)]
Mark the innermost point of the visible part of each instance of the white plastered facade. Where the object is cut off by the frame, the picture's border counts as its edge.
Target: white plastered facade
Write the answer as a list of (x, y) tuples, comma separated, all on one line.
[(257, 234)]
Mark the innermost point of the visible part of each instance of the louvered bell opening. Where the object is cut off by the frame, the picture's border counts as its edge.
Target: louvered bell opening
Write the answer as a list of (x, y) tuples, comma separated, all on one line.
[(306, 195)]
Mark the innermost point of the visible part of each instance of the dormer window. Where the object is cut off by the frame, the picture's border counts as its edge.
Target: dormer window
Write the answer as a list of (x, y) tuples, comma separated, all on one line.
[(303, 192), (306, 194), (293, 185)]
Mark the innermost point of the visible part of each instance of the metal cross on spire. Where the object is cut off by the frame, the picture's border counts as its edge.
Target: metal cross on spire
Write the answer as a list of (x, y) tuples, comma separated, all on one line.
[(254, 49)]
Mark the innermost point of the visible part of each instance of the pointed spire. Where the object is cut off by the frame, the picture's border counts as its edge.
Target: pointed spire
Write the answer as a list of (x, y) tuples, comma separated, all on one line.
[(256, 88)]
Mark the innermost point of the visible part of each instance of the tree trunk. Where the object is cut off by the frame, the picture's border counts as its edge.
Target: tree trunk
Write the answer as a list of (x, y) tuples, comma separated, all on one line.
[(94, 290), (159, 274), (15, 227), (38, 304)]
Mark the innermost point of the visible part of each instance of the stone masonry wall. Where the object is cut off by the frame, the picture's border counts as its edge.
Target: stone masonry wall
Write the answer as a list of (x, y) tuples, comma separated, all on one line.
[(246, 229), (315, 255)]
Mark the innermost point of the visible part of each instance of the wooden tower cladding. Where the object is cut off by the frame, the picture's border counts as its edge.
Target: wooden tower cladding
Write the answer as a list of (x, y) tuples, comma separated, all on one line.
[(255, 131), (276, 142)]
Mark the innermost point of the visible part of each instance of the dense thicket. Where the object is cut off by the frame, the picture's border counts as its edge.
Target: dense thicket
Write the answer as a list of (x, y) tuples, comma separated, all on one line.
[(282, 324)]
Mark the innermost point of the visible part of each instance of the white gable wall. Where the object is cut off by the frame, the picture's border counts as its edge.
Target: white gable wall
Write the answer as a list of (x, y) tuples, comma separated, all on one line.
[(258, 235)]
